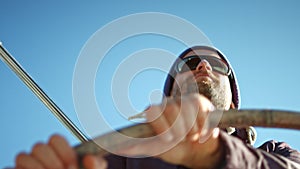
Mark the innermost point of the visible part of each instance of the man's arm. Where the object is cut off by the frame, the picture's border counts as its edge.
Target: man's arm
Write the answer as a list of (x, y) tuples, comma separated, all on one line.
[(282, 149), (240, 155)]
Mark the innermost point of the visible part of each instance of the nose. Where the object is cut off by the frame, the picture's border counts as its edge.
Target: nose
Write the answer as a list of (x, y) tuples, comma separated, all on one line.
[(204, 64)]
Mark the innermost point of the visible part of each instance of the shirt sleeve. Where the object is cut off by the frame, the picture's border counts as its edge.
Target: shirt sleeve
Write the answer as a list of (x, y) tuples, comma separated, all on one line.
[(281, 148), (271, 155)]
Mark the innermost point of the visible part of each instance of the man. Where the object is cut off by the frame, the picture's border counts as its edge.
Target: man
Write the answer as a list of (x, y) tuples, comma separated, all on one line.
[(203, 81)]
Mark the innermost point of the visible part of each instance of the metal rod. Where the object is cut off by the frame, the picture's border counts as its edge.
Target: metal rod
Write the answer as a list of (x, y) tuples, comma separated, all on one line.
[(59, 114), (230, 118)]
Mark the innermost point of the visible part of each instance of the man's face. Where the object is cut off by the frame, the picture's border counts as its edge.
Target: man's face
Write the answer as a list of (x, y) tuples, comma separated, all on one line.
[(204, 80)]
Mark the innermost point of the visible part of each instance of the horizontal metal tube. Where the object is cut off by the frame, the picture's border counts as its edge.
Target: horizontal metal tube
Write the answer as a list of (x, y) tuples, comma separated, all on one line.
[(231, 118)]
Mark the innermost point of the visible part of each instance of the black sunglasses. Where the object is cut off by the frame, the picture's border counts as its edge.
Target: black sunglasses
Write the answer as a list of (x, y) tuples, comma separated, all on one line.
[(191, 63)]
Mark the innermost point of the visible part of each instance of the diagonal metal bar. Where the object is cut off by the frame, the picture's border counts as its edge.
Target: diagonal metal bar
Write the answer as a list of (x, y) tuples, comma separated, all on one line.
[(29, 82)]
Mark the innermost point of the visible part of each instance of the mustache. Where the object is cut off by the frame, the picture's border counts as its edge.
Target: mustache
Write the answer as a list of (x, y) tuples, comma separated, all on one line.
[(203, 72), (193, 75)]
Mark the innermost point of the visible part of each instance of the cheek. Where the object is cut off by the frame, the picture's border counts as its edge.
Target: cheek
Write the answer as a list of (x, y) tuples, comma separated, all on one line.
[(224, 83)]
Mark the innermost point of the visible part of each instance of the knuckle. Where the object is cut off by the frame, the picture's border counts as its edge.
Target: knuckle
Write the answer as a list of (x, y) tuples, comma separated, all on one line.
[(171, 108), (38, 148), (156, 109), (20, 157), (55, 139), (153, 112)]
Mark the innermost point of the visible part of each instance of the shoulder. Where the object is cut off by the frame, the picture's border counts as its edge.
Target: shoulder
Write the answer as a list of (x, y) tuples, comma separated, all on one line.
[(281, 148), (275, 146)]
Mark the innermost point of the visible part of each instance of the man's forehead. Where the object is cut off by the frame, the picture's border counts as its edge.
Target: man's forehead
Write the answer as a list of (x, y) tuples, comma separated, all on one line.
[(202, 52)]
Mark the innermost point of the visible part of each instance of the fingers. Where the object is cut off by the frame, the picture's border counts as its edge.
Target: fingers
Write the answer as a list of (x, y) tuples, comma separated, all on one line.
[(25, 161), (204, 106), (190, 117), (56, 154), (184, 118), (175, 119), (159, 123), (46, 156), (93, 162), (68, 156)]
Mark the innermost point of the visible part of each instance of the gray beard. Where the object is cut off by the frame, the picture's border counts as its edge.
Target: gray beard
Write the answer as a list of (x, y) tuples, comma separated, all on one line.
[(213, 91)]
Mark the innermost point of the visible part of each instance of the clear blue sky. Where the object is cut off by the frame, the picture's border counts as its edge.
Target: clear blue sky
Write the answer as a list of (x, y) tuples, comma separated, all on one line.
[(261, 39)]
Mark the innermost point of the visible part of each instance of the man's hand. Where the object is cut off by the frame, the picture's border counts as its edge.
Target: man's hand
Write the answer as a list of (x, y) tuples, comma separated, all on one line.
[(58, 154), (183, 135)]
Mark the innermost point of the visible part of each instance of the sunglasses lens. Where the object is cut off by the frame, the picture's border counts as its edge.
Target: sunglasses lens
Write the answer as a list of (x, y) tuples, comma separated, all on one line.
[(191, 63), (218, 66), (188, 64)]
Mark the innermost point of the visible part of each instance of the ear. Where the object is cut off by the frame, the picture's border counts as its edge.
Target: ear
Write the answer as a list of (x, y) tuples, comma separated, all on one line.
[(232, 106)]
